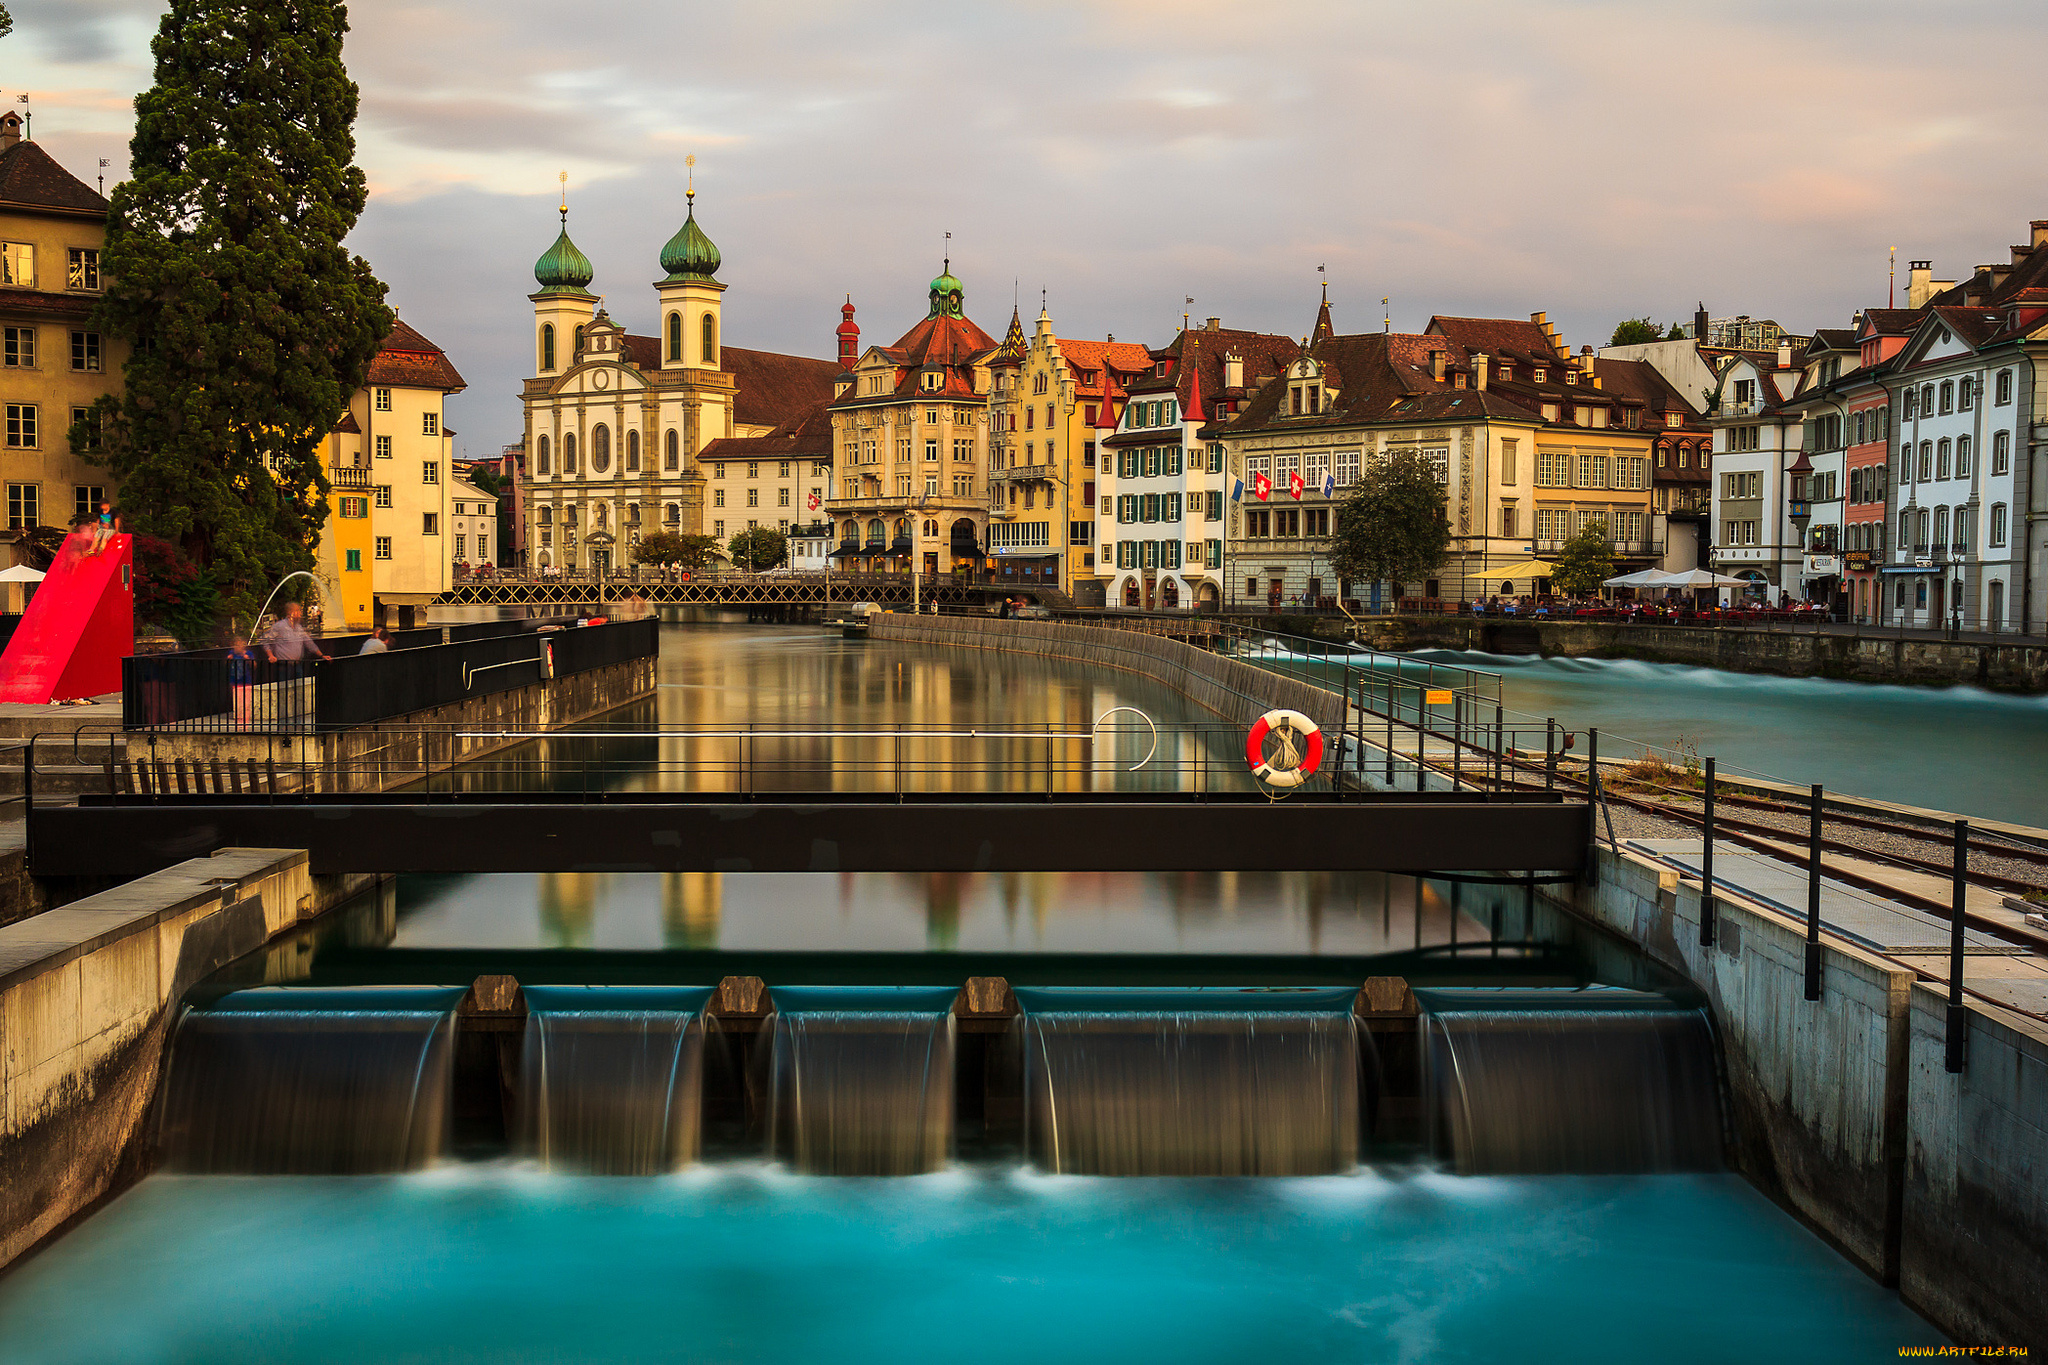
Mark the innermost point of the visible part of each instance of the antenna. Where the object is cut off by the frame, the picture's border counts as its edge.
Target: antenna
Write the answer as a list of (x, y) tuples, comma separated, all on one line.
[(1387, 322), (1891, 286)]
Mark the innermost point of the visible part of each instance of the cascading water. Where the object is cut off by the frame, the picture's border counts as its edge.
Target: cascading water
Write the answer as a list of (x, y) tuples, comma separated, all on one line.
[(863, 1079), (310, 1081), (612, 1077), (1191, 1082), (1601, 1081)]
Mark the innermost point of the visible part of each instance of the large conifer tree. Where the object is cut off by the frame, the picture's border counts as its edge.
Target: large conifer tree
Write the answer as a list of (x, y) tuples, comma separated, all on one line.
[(251, 325)]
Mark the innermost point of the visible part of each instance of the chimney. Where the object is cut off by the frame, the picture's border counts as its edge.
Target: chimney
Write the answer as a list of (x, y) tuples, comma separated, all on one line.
[(1213, 325), (10, 129), (1997, 274), (1233, 371), (1919, 283), (1436, 366), (1482, 365), (1784, 355), (1586, 358), (2040, 227), (1699, 323), (2020, 253)]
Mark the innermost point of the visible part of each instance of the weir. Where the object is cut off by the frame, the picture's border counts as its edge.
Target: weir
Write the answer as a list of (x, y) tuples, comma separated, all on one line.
[(612, 1078), (863, 1079), (310, 1081)]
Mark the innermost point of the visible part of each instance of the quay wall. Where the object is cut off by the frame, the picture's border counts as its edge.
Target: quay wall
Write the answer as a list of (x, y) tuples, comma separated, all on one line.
[(1843, 1110), (1237, 691), (88, 994), (1798, 654)]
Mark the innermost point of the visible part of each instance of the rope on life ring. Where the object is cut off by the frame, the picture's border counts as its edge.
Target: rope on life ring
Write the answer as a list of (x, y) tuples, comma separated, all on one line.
[(1299, 754)]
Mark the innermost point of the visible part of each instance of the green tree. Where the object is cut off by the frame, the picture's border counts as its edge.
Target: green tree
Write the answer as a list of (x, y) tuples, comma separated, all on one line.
[(672, 549), (763, 547), (250, 324), (1635, 332), (1586, 561), (1676, 333), (6, 22), (1392, 525)]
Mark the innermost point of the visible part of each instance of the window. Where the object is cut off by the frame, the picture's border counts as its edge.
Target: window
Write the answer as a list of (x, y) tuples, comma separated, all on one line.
[(753, 497), (383, 547), (1347, 466), (2001, 452), (20, 347), (355, 509), (1962, 457), (632, 452), (430, 471), (2001, 388), (1553, 469), (1927, 460), (963, 485), (672, 452), (24, 506), (85, 499), (461, 546), (1941, 459), (1258, 523), (430, 424), (85, 430), (1507, 465), (753, 469), (1507, 520), (355, 561), (1997, 524), (17, 264), (382, 397), (382, 493), (541, 463), (383, 448), (675, 338), (547, 353), (1966, 394), (85, 352), (21, 426), (718, 497), (430, 523), (707, 329), (600, 448), (1215, 504), (82, 268), (782, 497)]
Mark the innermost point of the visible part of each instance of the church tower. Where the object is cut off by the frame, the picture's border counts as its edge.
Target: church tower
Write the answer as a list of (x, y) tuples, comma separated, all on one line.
[(691, 328), (563, 306)]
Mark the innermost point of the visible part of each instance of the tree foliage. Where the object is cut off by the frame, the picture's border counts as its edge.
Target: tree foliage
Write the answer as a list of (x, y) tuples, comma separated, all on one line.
[(6, 22), (675, 550), (174, 594), (1586, 561), (39, 546), (1676, 333), (1392, 525), (249, 324), (1635, 332), (763, 547)]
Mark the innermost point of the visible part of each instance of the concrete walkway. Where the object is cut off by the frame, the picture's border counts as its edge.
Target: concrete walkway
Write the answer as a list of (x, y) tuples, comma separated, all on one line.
[(2002, 971)]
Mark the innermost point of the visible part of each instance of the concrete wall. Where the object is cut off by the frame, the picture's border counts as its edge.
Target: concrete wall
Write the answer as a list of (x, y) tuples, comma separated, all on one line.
[(1869, 658), (1843, 1112), (1237, 691), (87, 995)]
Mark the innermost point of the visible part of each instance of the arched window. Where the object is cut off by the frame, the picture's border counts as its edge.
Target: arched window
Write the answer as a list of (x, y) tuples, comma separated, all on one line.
[(541, 460), (875, 530), (547, 516), (673, 459), (632, 452), (579, 343), (1940, 526), (1941, 459), (672, 514), (931, 530), (568, 452), (1962, 457), (547, 347), (1948, 394), (710, 339), (600, 448), (1926, 460), (675, 338), (1966, 394), (850, 532)]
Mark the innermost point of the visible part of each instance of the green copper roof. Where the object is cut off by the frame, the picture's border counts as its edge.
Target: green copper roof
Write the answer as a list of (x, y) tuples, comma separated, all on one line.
[(947, 294), (563, 269), (689, 254)]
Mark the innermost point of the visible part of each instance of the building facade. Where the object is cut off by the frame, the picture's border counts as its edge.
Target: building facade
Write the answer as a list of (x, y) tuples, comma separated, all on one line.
[(53, 363), (1756, 442), (617, 423), (910, 442), (1866, 462), (1049, 397)]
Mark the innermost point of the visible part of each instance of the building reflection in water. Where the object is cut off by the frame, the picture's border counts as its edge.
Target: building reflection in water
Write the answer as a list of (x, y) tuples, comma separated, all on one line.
[(690, 907)]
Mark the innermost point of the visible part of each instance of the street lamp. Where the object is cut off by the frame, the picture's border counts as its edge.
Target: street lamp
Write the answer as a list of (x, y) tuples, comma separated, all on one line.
[(1799, 508)]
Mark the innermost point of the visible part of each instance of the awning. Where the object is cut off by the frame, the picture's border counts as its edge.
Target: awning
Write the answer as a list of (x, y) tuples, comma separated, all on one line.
[(1527, 568), (1931, 570), (1641, 578), (21, 573)]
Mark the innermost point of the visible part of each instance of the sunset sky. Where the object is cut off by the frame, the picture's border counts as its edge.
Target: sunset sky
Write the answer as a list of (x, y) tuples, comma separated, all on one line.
[(1598, 160)]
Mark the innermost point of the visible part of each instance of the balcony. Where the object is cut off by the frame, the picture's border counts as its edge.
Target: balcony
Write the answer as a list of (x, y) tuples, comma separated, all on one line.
[(350, 476), (1030, 473), (1733, 409)]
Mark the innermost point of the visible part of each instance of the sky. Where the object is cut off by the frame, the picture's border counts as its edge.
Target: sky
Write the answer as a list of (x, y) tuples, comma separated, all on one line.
[(1591, 159)]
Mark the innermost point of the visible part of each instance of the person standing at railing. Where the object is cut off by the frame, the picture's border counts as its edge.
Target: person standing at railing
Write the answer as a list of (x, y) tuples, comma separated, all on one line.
[(242, 679), (288, 640), (378, 643)]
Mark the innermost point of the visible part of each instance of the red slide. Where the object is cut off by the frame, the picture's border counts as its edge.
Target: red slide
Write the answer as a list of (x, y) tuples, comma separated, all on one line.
[(79, 626)]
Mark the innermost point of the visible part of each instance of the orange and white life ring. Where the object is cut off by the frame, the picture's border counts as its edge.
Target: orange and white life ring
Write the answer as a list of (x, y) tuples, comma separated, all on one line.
[(1290, 767)]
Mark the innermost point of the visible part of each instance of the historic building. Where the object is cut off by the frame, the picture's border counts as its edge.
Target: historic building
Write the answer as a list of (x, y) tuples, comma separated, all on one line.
[(1756, 443), (1866, 456), (618, 425), (1050, 396), (53, 364), (910, 444)]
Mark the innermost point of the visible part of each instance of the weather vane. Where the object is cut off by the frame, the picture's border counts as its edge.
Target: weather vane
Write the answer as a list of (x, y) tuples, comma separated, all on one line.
[(564, 178), (690, 176)]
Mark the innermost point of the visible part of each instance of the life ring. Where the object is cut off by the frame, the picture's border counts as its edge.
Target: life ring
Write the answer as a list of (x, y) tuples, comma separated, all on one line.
[(1310, 759)]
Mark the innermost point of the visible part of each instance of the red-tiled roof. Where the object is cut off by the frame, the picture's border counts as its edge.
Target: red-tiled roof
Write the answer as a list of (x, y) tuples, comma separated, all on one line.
[(806, 436), (30, 179), (1494, 335), (774, 389), (1102, 357), (408, 360), (348, 424)]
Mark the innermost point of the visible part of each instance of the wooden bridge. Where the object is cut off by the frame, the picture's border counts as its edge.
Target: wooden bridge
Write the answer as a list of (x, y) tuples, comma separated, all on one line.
[(745, 591)]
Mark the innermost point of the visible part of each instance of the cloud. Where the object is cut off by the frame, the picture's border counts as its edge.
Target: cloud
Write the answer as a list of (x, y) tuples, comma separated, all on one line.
[(1593, 158)]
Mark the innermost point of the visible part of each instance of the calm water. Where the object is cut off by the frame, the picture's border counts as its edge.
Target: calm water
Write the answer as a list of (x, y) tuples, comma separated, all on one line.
[(1955, 749), (495, 1264)]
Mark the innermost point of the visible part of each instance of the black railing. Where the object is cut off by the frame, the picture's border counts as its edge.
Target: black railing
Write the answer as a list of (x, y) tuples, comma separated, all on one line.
[(210, 692)]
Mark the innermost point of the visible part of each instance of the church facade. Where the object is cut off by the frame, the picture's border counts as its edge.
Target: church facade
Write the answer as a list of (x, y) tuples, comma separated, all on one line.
[(624, 432)]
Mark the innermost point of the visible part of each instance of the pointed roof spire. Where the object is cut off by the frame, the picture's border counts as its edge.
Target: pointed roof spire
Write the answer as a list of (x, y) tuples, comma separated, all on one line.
[(1323, 329), (562, 269), (1013, 340), (1192, 408), (1105, 415)]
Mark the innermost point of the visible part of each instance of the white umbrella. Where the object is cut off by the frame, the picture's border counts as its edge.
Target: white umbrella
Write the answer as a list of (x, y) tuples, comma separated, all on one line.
[(1641, 578), (1701, 578), (21, 573)]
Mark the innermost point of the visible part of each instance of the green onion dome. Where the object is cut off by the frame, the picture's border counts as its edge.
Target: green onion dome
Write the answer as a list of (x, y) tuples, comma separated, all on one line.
[(563, 267), (690, 254)]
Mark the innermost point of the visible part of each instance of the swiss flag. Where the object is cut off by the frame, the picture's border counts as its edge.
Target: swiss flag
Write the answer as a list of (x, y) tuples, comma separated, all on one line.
[(1294, 483), (811, 503), (1262, 487)]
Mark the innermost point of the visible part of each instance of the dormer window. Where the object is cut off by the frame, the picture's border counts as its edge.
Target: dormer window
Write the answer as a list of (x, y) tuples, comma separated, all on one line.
[(1542, 376), (1505, 373), (1160, 369), (934, 380), (1672, 419)]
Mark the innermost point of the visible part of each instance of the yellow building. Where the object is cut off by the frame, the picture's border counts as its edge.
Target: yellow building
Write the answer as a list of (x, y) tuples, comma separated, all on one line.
[(1048, 399), (343, 559), (53, 364)]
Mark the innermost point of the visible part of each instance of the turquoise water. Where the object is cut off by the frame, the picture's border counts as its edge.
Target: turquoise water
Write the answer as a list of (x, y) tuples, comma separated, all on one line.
[(500, 1264), (1954, 749)]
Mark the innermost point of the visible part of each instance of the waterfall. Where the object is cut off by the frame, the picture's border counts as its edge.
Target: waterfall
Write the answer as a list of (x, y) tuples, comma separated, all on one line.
[(612, 1077), (1554, 1081), (1191, 1082), (310, 1081), (863, 1079)]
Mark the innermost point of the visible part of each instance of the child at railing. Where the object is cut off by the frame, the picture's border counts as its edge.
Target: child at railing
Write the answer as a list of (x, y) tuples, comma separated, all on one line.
[(242, 679)]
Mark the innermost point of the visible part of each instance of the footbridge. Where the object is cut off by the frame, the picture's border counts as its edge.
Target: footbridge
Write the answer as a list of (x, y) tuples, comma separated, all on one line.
[(746, 591)]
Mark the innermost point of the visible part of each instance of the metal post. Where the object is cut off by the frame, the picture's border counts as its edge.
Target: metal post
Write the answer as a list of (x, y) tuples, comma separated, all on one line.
[(1421, 735), (1500, 752), (1813, 895), (1550, 753), (1707, 865), (1958, 1017), (1390, 735), (1457, 738)]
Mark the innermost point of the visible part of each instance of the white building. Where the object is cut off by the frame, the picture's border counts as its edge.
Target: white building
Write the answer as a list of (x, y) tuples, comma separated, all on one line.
[(1756, 442), (473, 525)]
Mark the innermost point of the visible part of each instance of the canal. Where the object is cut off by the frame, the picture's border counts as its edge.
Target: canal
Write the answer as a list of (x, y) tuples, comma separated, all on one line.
[(1387, 1256)]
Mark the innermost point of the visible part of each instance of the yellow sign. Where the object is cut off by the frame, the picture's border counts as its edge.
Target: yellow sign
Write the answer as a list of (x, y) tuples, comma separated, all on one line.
[(1437, 696)]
